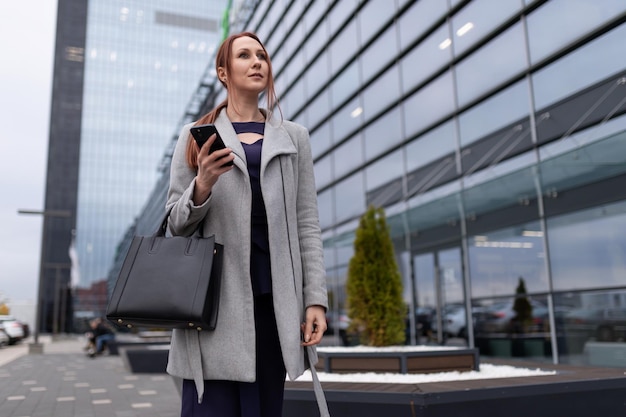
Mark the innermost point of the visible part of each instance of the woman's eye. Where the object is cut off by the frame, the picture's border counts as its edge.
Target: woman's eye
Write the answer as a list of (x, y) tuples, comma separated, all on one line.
[(262, 57)]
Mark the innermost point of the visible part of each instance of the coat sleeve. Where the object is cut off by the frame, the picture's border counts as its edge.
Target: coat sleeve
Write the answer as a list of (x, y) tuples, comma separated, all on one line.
[(311, 250), (184, 216)]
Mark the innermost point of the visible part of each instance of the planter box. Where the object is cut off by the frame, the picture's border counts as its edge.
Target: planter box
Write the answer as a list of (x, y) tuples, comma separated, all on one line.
[(402, 361)]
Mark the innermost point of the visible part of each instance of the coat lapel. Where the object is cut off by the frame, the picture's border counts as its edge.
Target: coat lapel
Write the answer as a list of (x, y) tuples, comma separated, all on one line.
[(276, 141)]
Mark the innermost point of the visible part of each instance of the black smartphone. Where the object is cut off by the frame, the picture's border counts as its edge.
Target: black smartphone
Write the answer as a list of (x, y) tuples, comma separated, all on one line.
[(202, 133)]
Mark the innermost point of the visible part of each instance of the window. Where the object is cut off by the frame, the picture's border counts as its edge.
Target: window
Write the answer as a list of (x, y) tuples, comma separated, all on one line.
[(591, 63), (494, 113), (499, 259), (582, 16), (493, 64), (588, 248), (429, 104)]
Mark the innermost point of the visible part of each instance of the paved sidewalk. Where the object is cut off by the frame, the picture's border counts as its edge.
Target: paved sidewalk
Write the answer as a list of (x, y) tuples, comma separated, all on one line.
[(64, 382)]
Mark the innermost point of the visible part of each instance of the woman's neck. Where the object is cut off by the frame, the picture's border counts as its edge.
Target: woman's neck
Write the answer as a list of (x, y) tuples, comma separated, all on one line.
[(244, 112)]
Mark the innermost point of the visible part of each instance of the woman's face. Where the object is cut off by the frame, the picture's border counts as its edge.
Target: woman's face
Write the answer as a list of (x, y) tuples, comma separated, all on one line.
[(249, 67)]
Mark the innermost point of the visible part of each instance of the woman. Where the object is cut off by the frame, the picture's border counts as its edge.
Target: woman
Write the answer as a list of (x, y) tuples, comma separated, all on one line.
[(263, 209)]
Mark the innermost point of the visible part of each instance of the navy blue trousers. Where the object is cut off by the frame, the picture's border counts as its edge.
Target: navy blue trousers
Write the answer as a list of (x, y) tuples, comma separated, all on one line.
[(262, 398)]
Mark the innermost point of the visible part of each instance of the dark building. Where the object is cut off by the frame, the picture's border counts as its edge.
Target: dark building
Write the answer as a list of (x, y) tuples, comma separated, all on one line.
[(123, 73)]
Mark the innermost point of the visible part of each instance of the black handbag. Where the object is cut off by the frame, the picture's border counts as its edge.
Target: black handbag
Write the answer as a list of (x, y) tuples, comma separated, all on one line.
[(168, 282)]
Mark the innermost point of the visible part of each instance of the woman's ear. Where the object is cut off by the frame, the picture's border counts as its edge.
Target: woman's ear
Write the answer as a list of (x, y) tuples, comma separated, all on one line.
[(221, 74)]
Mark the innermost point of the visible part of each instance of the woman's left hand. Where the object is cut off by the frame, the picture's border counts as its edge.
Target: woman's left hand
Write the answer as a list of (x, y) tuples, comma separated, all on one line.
[(315, 325)]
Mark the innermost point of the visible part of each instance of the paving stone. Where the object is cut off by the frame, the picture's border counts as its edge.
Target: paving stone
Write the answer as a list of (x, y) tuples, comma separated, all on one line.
[(64, 382)]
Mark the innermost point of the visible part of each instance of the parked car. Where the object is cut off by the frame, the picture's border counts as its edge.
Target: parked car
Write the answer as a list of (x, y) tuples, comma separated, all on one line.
[(455, 321), (12, 328), (603, 324), (498, 317), (4, 339)]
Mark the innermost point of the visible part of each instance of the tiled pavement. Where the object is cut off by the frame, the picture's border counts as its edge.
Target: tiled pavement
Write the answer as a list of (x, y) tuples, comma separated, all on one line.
[(64, 382)]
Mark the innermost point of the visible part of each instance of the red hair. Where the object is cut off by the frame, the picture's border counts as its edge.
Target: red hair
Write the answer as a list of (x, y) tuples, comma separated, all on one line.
[(223, 59)]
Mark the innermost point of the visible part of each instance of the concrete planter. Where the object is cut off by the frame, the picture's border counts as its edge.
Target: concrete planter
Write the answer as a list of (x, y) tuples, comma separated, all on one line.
[(402, 360)]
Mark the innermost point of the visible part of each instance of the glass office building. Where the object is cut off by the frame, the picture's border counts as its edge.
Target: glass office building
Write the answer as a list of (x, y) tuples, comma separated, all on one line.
[(124, 72), (493, 133)]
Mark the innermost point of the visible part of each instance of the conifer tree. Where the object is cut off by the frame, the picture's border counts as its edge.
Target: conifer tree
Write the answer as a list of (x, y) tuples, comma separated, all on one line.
[(374, 284), (522, 308)]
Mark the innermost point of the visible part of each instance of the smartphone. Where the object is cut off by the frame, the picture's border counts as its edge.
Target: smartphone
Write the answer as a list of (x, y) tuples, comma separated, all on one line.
[(202, 133)]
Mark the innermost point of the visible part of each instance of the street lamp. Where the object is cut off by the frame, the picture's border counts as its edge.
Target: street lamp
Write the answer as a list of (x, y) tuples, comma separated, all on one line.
[(37, 347)]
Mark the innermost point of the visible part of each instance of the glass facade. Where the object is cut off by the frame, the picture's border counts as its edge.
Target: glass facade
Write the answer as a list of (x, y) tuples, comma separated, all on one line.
[(493, 134), (124, 73), (143, 61)]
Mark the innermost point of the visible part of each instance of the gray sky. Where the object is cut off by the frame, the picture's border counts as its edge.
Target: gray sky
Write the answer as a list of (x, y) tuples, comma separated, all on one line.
[(27, 30)]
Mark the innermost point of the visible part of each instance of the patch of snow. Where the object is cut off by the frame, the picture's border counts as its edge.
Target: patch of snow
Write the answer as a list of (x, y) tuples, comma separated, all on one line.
[(486, 371), (371, 349)]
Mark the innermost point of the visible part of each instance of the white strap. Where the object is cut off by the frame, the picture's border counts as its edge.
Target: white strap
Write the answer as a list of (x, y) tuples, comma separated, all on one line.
[(317, 386)]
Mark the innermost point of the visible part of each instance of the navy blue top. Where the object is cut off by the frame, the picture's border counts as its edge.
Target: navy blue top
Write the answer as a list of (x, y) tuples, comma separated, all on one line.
[(260, 271)]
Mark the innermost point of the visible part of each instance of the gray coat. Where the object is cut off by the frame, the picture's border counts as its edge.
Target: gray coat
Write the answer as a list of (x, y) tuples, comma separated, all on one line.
[(298, 273)]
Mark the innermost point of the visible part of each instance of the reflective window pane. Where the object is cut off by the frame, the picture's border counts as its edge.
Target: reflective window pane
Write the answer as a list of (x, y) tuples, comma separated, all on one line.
[(350, 197), (383, 134), (346, 84), (430, 146), (379, 54), (479, 18), (373, 15), (384, 170), (347, 119), (418, 19), (588, 248), (323, 171), (424, 60), (585, 66), (498, 111), (348, 156), (321, 139), (506, 57), (498, 260), (381, 93), (344, 47), (582, 16), (433, 102)]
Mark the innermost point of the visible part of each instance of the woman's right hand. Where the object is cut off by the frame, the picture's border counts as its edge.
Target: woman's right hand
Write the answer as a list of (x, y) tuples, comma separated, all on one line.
[(210, 167)]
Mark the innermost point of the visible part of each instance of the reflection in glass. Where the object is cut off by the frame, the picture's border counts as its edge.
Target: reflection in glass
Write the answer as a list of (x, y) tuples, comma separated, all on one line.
[(380, 93), (321, 139), (545, 38), (479, 18), (344, 47), (350, 197), (506, 107), (379, 54), (506, 58), (433, 102), (348, 155), (323, 171), (418, 18), (346, 84), (383, 134), (591, 63), (589, 325), (430, 146), (347, 119), (372, 16), (588, 248), (424, 60), (497, 260), (384, 170)]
